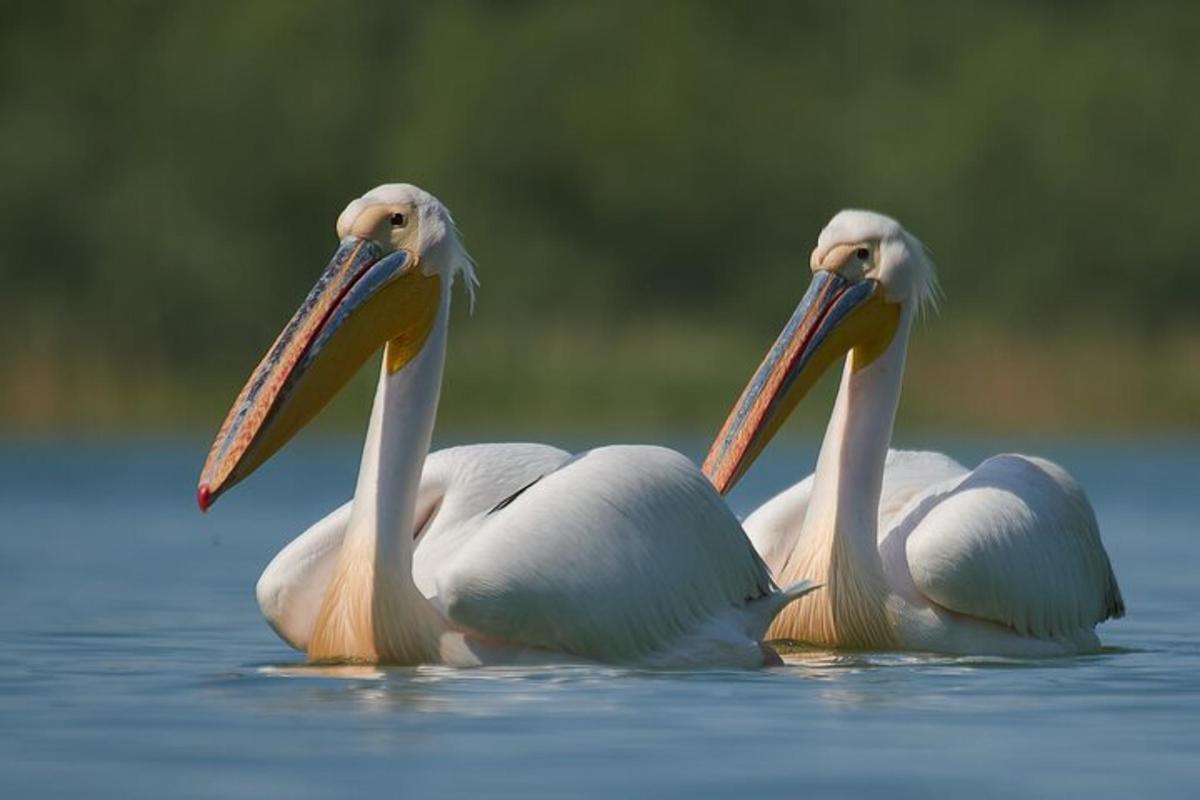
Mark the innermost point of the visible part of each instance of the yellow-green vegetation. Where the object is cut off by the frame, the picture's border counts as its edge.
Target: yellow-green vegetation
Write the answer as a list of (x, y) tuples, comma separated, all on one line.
[(663, 378), (641, 184)]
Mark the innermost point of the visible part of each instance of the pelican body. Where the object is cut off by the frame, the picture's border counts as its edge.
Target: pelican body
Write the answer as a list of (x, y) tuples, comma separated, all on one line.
[(482, 554), (915, 551)]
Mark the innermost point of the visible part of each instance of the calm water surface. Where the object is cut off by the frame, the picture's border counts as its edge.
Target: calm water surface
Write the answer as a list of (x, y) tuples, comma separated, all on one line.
[(135, 664)]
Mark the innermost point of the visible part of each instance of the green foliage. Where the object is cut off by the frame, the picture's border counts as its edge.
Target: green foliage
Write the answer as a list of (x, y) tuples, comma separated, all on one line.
[(172, 170)]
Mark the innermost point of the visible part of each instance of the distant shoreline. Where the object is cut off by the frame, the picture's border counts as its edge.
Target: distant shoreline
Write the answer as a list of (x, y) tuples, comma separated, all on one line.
[(661, 378)]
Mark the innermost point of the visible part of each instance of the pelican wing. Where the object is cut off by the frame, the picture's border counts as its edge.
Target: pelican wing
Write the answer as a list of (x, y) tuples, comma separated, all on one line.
[(460, 483), (456, 484), (912, 473), (292, 586), (776, 525), (622, 554), (1015, 542)]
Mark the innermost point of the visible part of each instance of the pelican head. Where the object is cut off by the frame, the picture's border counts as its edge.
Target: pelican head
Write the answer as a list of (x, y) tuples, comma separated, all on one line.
[(398, 255), (868, 275)]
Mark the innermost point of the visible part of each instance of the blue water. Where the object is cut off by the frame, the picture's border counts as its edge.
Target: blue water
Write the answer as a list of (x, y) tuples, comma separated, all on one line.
[(133, 663)]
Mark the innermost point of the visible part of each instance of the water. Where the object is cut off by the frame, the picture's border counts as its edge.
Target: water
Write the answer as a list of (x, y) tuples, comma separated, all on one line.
[(134, 664)]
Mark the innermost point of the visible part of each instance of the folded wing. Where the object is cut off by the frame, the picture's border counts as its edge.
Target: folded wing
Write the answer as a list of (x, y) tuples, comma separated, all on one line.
[(621, 555), (1015, 541)]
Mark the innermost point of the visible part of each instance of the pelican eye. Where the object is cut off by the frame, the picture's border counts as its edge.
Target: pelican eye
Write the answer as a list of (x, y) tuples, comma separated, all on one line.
[(862, 253), (399, 220)]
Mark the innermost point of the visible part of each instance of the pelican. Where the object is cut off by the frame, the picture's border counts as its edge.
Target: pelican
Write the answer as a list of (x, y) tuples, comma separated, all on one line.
[(915, 551), (482, 554)]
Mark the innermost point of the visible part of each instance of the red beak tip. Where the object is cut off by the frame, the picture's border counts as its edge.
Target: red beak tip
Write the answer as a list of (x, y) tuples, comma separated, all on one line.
[(203, 497)]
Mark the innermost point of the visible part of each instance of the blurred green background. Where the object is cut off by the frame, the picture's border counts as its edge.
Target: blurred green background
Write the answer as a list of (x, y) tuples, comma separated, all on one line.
[(640, 183)]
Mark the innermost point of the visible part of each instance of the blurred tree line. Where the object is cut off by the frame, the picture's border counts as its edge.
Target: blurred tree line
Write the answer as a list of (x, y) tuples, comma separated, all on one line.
[(641, 184)]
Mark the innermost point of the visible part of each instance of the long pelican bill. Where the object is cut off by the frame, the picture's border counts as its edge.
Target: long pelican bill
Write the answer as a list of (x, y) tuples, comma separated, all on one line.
[(834, 316), (363, 299)]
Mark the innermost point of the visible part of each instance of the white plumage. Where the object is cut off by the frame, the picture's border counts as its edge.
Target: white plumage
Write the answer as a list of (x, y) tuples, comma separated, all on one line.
[(915, 551), (498, 553), (647, 554), (1013, 542), (457, 483), (622, 554)]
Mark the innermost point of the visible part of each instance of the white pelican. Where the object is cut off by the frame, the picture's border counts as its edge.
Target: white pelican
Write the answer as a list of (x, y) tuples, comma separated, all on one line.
[(620, 554), (915, 551)]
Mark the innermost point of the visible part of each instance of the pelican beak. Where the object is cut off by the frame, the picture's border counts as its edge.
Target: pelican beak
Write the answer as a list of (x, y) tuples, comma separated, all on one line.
[(835, 316), (363, 299)]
